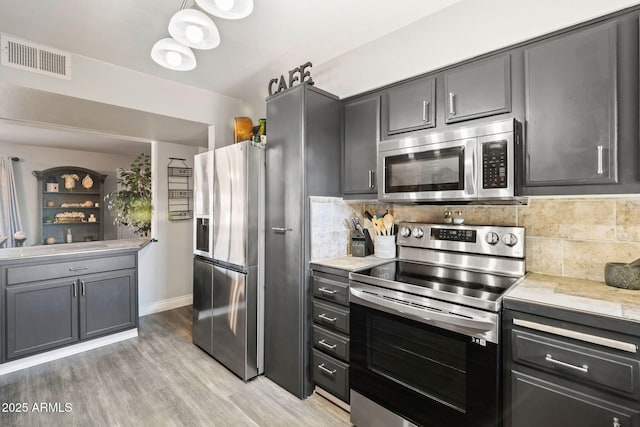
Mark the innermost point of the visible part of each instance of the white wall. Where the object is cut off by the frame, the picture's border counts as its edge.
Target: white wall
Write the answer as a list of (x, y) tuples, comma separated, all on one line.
[(34, 158), (464, 30), (166, 270)]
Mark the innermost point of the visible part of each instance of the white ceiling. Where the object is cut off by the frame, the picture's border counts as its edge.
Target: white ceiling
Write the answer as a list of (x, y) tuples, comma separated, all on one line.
[(122, 32)]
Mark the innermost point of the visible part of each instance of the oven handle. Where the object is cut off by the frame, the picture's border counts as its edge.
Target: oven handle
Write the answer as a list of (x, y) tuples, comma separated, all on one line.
[(432, 318)]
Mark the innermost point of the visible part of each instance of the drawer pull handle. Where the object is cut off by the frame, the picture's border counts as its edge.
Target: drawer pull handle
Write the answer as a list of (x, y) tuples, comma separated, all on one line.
[(584, 368), (616, 422), (331, 372), (329, 346), (327, 318), (78, 268), (327, 291)]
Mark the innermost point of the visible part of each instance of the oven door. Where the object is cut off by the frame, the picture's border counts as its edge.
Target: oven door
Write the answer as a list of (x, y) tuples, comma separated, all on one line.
[(441, 171), (425, 374)]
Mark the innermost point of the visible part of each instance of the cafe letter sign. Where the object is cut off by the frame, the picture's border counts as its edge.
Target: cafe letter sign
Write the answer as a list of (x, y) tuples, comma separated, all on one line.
[(300, 74)]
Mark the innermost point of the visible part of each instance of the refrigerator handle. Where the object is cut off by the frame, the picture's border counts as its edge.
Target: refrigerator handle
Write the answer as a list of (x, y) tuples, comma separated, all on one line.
[(281, 229)]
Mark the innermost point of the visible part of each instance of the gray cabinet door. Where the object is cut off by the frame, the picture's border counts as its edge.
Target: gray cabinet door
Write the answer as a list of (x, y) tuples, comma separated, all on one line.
[(361, 126), (41, 316), (571, 98), (536, 403), (478, 90), (410, 106), (108, 303), (284, 294)]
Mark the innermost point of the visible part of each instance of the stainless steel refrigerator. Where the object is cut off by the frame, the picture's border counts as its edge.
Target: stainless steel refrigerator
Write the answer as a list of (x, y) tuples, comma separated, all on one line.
[(303, 159), (229, 287)]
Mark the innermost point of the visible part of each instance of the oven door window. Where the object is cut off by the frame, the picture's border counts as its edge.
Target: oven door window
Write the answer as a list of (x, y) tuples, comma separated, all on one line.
[(430, 364), (432, 170)]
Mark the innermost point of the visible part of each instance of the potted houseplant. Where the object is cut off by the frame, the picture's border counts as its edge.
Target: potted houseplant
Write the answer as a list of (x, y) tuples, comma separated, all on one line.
[(132, 203)]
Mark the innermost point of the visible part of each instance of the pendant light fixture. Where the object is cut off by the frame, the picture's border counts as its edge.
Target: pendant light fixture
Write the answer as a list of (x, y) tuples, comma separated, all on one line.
[(173, 55), (194, 29), (227, 9)]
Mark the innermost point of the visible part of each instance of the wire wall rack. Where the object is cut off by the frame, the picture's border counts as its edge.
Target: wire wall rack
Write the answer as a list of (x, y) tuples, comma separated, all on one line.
[(179, 176)]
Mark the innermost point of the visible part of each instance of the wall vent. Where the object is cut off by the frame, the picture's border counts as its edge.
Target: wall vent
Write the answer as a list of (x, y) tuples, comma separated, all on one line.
[(28, 56)]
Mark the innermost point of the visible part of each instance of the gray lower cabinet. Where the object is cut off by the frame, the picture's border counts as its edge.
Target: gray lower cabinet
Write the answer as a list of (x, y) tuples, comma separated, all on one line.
[(331, 331), (409, 107), (564, 374), (360, 138), (41, 316), (107, 303), (478, 89), (571, 106), (52, 312)]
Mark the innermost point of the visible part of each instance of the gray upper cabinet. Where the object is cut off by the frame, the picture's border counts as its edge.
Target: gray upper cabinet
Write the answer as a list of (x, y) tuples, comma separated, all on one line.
[(571, 108), (361, 124), (410, 106), (478, 90)]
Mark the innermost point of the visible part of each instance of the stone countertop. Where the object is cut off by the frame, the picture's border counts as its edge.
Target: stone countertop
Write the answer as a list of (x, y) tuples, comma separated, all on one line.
[(352, 263), (71, 248), (586, 296)]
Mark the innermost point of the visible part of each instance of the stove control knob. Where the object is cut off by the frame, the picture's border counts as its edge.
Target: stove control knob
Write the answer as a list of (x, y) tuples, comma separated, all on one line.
[(492, 238), (405, 232), (417, 232), (510, 239)]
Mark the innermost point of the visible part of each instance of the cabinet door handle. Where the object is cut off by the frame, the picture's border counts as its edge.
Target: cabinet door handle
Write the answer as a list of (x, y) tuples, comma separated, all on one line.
[(327, 318), (327, 291), (600, 160), (75, 290), (281, 229), (616, 422), (425, 108), (372, 181), (78, 268), (325, 344), (331, 372), (452, 108), (584, 368), (82, 287)]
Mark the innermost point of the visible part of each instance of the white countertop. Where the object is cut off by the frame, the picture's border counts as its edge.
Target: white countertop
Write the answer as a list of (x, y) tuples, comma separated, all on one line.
[(352, 263), (586, 296), (71, 248)]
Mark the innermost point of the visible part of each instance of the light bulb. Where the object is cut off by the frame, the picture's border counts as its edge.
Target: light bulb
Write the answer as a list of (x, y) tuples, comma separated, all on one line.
[(225, 4), (194, 33), (174, 58)]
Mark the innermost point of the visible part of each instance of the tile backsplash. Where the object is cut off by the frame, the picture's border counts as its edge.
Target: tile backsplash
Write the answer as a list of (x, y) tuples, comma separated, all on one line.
[(570, 236)]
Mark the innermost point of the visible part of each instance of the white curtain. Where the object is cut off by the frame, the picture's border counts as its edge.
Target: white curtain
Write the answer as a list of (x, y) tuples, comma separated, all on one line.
[(9, 210)]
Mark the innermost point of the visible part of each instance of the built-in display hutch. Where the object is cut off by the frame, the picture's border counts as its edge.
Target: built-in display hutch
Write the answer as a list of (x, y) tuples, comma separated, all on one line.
[(71, 204)]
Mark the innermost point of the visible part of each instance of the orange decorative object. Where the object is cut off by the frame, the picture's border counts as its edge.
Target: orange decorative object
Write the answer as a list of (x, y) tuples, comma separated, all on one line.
[(243, 128)]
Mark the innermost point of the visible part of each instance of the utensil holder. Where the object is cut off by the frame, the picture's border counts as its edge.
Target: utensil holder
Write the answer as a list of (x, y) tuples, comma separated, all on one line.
[(385, 247)]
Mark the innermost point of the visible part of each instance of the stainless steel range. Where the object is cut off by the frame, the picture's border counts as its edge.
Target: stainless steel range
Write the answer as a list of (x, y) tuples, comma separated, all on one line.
[(425, 331)]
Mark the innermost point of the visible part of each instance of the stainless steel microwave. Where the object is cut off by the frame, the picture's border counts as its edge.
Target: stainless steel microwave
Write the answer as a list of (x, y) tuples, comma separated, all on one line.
[(465, 164)]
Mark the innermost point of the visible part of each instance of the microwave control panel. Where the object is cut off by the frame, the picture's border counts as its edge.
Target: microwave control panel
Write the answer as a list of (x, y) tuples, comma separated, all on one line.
[(494, 164)]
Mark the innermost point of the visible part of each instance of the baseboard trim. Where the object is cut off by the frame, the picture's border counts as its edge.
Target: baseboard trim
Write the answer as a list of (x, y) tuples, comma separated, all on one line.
[(167, 304), (52, 355)]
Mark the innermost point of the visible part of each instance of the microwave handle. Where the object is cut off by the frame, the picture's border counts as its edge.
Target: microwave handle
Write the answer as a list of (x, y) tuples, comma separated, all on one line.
[(474, 175)]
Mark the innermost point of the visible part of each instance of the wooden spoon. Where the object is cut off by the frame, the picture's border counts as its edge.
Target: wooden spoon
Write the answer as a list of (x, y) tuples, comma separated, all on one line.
[(388, 223), (376, 225)]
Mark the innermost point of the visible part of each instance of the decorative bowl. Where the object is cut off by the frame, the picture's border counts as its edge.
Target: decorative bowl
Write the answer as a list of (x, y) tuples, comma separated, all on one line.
[(621, 275)]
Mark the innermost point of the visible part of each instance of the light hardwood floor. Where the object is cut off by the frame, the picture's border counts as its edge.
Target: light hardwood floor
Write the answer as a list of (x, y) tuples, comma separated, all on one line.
[(157, 379)]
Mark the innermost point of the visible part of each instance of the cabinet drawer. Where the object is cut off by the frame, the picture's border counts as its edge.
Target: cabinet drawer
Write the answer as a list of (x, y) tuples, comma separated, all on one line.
[(331, 374), (330, 290), (32, 273), (331, 316), (601, 369), (331, 343)]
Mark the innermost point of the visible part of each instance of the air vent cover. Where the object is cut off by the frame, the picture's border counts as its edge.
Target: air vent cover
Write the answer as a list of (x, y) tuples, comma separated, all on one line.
[(28, 56)]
